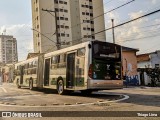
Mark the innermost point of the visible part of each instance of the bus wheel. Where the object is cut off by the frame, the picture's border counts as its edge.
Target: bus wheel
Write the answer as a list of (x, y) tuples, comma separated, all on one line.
[(60, 87), (18, 86), (31, 84)]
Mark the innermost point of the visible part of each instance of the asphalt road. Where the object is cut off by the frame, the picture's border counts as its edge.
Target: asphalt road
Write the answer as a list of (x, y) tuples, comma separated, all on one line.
[(140, 99)]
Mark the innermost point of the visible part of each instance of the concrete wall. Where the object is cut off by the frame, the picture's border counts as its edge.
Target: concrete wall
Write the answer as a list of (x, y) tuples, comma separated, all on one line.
[(130, 67), (144, 79), (144, 64)]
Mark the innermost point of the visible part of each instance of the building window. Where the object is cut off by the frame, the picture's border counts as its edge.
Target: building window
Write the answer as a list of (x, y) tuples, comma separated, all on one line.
[(61, 2), (92, 29), (91, 14), (63, 34), (67, 27), (93, 37), (66, 19), (66, 11), (62, 26), (85, 36), (56, 1), (37, 9), (61, 18), (90, 7), (87, 13), (56, 9), (88, 29), (92, 22), (67, 35)]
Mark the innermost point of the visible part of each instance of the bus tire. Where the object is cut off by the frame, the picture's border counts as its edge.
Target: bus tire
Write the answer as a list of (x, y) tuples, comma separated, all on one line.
[(18, 86), (31, 84), (60, 87)]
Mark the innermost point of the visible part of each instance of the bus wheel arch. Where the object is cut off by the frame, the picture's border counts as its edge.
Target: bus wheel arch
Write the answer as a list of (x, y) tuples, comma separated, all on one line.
[(31, 83), (60, 86)]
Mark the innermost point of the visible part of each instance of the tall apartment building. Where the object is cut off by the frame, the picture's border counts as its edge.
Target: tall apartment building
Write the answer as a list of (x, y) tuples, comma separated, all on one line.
[(76, 21), (8, 49)]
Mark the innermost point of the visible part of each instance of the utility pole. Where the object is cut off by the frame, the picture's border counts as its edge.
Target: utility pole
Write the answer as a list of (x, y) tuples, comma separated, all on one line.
[(50, 12), (113, 30)]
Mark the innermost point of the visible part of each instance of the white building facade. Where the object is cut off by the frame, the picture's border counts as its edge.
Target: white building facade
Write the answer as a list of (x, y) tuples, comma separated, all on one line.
[(76, 21), (8, 49)]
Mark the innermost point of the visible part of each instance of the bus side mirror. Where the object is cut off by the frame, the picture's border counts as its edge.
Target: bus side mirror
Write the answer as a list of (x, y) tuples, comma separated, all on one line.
[(89, 46)]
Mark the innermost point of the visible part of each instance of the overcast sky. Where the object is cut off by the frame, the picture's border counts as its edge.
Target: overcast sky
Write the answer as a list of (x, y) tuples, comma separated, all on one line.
[(16, 18)]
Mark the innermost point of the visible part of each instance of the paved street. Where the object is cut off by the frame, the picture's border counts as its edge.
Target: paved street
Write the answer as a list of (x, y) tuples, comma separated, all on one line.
[(127, 99)]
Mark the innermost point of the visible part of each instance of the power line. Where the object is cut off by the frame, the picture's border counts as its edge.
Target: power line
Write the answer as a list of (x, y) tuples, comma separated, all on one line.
[(122, 23), (44, 36), (151, 47), (155, 35), (115, 9), (146, 31), (132, 36), (105, 12), (129, 21)]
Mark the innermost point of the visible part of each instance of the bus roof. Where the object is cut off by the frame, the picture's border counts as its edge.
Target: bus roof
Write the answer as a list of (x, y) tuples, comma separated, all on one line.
[(26, 61), (71, 48)]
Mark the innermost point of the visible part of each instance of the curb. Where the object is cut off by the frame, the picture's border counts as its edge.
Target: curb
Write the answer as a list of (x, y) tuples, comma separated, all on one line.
[(68, 104)]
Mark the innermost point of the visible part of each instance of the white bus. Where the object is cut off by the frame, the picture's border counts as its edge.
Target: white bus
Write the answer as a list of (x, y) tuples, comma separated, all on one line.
[(89, 66)]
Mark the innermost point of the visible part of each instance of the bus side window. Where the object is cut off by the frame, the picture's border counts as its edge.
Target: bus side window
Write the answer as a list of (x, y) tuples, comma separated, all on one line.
[(25, 69), (81, 52), (55, 61), (30, 68), (34, 69), (62, 61)]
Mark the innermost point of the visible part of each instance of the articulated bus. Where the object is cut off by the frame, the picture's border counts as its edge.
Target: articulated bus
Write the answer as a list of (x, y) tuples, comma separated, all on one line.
[(87, 67)]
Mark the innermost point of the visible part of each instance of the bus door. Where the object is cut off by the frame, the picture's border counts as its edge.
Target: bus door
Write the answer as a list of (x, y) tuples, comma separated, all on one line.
[(21, 74), (46, 72), (40, 71), (70, 75)]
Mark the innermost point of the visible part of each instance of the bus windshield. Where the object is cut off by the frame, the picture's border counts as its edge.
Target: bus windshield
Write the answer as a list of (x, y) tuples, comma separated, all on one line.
[(107, 51), (106, 61)]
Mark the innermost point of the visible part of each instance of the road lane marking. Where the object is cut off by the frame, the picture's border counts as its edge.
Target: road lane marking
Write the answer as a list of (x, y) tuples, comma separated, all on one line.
[(4, 89), (73, 105)]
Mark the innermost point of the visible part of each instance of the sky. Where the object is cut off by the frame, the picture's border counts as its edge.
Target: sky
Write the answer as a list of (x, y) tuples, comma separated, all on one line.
[(143, 34)]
